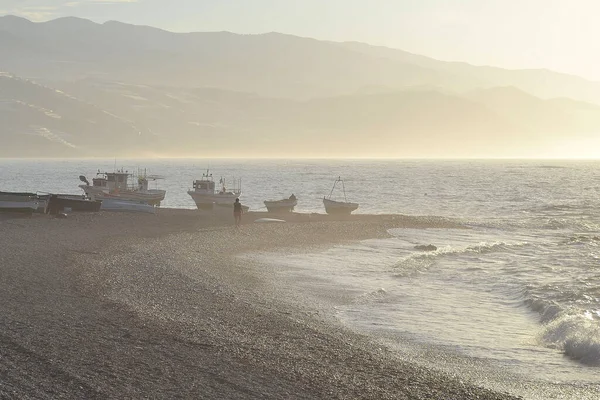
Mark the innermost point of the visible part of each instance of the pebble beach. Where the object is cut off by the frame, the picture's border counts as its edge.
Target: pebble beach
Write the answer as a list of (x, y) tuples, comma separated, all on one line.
[(111, 305)]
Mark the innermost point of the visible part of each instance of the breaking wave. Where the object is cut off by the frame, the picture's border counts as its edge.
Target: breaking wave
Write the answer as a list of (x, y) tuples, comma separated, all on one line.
[(578, 336), (574, 333), (421, 261)]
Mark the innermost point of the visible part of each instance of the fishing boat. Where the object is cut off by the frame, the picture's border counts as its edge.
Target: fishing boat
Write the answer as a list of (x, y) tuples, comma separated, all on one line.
[(281, 206), (338, 207), (58, 203), (21, 203), (205, 194), (122, 185)]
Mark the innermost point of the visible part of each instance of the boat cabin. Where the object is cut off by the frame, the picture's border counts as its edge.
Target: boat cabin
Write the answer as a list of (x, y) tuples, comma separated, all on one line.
[(205, 185), (112, 180)]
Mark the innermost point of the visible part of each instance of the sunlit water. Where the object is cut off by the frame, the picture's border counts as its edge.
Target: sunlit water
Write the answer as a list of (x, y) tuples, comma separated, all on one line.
[(512, 303)]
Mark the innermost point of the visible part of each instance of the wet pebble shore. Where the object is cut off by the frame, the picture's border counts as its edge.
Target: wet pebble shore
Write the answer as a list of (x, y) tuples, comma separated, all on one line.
[(160, 306)]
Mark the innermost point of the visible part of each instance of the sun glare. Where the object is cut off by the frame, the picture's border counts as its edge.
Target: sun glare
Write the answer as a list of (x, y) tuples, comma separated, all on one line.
[(588, 148)]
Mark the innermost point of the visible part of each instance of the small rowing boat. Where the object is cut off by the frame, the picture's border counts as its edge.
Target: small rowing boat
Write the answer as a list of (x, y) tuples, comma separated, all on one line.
[(339, 207), (281, 206)]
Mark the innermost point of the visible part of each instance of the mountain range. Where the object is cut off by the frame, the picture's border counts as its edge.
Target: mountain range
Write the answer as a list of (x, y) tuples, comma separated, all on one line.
[(74, 88)]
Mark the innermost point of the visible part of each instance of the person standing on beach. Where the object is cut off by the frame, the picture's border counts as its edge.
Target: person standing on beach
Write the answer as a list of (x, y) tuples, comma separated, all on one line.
[(237, 212)]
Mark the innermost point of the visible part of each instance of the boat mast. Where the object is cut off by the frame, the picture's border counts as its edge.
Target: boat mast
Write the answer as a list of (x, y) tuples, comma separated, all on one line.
[(339, 179), (333, 188)]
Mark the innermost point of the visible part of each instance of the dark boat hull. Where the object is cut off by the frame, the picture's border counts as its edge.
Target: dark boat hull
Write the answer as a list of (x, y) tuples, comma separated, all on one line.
[(27, 196), (18, 203), (58, 203), (22, 194)]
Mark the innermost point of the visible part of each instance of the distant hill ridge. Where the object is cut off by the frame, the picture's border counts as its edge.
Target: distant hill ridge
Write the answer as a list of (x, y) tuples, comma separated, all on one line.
[(72, 87), (279, 65)]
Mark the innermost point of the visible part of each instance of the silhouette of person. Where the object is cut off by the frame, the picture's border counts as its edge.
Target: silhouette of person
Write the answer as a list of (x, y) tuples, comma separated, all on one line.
[(237, 212)]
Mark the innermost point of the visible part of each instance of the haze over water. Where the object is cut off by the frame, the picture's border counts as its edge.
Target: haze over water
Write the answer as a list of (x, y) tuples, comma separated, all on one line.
[(512, 302)]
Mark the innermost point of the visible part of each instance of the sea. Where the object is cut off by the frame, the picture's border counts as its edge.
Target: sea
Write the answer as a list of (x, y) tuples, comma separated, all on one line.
[(511, 303)]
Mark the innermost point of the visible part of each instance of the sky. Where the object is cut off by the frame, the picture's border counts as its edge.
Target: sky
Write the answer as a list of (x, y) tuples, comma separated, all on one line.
[(555, 34)]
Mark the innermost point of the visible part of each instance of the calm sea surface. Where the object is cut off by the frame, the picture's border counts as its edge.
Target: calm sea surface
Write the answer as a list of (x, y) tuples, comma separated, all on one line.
[(512, 303)]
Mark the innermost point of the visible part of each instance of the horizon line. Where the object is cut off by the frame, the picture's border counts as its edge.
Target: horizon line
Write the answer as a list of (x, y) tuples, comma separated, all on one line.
[(349, 158)]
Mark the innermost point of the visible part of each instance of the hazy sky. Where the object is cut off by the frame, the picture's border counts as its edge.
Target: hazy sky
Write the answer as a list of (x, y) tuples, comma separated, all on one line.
[(557, 34)]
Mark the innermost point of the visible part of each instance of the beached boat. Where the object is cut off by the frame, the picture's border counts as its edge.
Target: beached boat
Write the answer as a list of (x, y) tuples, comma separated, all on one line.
[(22, 203), (126, 206), (20, 207), (118, 186), (338, 207), (58, 203), (281, 206), (16, 195), (205, 194)]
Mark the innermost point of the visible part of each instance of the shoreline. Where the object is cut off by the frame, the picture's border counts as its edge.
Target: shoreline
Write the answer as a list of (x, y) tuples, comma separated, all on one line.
[(133, 305)]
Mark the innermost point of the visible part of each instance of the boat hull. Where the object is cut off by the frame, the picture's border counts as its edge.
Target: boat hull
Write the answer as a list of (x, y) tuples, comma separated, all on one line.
[(21, 197), (339, 207), (280, 206), (209, 201), (57, 203), (18, 207), (19, 203), (19, 194), (151, 197)]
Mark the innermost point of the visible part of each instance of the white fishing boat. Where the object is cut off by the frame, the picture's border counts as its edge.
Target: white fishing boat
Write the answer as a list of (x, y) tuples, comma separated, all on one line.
[(126, 206), (206, 196), (122, 185), (21, 203), (281, 206), (338, 207)]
